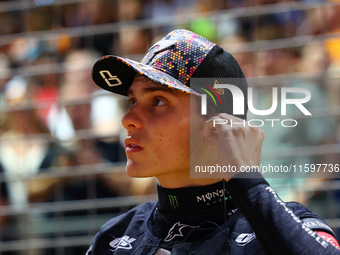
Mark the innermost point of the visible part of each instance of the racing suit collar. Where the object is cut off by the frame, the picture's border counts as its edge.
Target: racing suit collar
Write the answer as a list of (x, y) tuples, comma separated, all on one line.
[(194, 200)]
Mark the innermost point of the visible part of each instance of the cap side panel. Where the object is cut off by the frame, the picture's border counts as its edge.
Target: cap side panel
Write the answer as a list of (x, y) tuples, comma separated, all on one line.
[(220, 64)]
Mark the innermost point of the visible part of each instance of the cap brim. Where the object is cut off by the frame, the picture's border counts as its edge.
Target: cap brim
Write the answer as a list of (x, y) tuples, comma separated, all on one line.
[(116, 75)]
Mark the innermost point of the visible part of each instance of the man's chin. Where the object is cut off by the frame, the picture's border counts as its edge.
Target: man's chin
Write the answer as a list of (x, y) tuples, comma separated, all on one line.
[(134, 171), (138, 175)]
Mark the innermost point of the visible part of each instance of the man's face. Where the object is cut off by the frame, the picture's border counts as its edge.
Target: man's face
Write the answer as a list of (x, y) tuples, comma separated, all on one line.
[(158, 131)]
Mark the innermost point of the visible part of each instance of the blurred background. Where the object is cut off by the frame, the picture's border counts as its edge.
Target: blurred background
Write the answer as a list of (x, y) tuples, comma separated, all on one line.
[(61, 158)]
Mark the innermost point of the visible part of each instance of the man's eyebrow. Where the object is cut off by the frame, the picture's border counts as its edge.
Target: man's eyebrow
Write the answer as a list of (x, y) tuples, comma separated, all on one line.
[(153, 89)]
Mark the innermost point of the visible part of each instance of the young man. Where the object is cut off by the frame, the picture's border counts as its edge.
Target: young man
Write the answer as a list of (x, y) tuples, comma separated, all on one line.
[(238, 215)]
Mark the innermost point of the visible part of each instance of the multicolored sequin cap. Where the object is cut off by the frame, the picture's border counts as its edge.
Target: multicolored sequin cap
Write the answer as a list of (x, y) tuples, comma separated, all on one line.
[(172, 61)]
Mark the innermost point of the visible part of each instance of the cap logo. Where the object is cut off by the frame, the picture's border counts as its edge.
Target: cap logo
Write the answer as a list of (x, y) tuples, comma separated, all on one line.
[(110, 80), (220, 91), (158, 46)]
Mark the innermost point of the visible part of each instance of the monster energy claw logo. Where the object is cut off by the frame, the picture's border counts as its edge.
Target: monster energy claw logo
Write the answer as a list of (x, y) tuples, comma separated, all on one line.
[(173, 201)]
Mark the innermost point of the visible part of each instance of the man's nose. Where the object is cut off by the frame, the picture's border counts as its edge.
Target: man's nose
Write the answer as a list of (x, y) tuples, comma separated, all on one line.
[(133, 119)]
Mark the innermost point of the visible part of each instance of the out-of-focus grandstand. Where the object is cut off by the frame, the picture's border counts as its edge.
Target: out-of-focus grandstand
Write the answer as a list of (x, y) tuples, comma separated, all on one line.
[(61, 158)]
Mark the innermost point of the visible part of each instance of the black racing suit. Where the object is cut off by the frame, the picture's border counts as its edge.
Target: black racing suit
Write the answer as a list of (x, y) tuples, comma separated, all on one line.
[(252, 220)]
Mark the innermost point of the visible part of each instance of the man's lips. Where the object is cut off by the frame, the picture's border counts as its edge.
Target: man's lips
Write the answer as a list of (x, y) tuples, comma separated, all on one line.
[(131, 145)]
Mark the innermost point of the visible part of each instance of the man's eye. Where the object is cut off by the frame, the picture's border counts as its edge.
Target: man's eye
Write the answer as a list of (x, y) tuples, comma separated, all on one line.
[(132, 102), (159, 101)]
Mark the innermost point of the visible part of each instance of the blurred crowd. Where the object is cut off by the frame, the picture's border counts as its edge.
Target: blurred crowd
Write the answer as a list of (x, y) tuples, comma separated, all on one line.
[(55, 122)]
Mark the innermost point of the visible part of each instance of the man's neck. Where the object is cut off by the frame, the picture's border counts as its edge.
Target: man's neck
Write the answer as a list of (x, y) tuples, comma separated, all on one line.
[(182, 179), (173, 182)]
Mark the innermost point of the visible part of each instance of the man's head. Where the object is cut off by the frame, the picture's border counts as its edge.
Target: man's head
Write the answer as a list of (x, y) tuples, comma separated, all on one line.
[(159, 123), (173, 62)]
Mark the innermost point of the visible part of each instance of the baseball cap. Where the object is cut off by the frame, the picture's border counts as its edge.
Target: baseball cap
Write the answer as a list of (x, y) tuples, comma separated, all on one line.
[(174, 61)]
